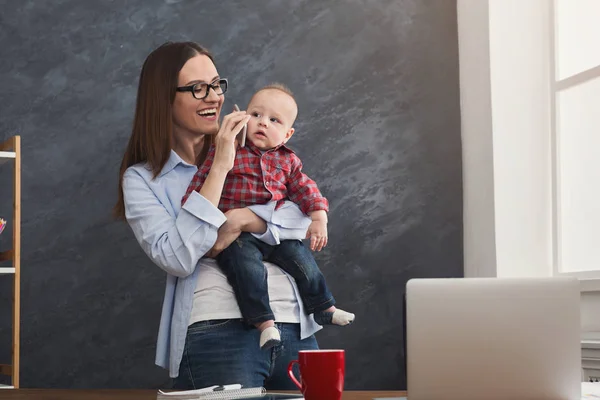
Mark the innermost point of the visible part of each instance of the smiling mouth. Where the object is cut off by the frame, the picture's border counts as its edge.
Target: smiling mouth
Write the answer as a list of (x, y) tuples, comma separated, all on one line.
[(208, 113)]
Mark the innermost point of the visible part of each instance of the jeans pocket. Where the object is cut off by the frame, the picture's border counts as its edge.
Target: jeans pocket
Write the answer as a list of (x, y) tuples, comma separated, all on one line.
[(203, 326)]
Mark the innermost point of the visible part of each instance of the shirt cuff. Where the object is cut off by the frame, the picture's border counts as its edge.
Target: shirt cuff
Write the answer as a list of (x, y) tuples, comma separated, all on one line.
[(270, 236), (202, 209)]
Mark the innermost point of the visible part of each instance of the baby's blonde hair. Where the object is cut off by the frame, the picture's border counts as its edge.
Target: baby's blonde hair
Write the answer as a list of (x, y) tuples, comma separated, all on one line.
[(277, 86)]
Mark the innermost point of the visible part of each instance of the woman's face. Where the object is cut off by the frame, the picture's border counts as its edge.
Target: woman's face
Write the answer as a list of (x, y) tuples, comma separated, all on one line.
[(192, 116)]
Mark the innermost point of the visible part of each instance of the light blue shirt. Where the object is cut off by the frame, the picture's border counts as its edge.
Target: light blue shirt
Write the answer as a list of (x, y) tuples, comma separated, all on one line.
[(176, 238)]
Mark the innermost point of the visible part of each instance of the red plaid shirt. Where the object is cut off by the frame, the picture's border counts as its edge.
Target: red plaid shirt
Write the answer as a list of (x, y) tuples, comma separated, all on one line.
[(259, 178)]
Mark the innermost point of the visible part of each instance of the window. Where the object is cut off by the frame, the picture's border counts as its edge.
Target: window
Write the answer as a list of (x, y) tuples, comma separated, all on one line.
[(575, 112)]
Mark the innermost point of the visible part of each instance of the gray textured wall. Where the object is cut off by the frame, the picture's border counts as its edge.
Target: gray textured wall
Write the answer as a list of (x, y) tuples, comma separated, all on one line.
[(379, 129)]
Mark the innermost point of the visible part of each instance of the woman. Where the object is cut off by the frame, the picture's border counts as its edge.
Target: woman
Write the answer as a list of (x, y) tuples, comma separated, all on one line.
[(202, 340)]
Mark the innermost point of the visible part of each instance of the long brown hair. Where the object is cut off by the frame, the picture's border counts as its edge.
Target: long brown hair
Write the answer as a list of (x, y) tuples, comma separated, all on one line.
[(150, 139)]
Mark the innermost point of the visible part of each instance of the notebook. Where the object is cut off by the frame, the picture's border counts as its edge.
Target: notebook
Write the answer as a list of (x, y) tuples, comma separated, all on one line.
[(213, 392), (225, 392)]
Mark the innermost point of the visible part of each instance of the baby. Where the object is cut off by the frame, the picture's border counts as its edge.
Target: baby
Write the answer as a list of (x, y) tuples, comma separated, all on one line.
[(266, 170)]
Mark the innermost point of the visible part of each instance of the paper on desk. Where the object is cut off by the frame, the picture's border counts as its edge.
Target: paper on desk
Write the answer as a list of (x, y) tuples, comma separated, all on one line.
[(590, 390)]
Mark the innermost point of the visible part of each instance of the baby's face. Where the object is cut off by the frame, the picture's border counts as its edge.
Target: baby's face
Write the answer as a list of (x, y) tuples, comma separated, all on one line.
[(272, 115)]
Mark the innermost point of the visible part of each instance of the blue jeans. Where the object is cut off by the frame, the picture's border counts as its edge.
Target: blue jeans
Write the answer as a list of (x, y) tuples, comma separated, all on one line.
[(222, 352), (242, 263)]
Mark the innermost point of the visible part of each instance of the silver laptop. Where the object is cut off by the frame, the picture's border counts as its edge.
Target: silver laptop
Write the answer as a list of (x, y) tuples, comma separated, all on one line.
[(493, 339)]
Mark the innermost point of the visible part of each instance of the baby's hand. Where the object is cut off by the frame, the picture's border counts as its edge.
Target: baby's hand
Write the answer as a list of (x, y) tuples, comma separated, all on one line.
[(317, 232)]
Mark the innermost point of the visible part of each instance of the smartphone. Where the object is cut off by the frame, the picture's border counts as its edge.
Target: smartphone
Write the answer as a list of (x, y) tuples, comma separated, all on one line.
[(242, 135)]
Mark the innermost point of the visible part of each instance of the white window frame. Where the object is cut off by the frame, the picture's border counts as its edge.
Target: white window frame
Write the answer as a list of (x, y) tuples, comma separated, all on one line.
[(590, 280)]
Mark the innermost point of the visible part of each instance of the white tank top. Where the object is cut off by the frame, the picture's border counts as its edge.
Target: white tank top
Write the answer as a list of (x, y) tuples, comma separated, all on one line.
[(214, 297)]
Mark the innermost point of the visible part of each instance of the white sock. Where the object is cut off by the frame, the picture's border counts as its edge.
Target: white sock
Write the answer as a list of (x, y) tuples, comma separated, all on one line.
[(341, 317), (270, 337)]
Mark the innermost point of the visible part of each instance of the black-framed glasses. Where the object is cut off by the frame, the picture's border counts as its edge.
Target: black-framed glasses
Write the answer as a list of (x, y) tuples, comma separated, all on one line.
[(200, 90)]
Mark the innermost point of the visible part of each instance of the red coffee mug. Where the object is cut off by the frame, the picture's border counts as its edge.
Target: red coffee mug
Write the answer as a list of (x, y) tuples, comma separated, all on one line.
[(322, 374)]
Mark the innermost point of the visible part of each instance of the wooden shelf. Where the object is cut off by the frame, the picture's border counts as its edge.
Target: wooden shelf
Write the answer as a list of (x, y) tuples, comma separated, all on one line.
[(10, 150)]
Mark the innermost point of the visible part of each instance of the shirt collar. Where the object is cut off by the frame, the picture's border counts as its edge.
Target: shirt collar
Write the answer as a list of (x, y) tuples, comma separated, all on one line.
[(173, 161), (257, 150)]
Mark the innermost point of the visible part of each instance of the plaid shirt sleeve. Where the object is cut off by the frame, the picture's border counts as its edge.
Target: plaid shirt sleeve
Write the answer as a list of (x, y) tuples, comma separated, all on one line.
[(304, 191), (200, 176)]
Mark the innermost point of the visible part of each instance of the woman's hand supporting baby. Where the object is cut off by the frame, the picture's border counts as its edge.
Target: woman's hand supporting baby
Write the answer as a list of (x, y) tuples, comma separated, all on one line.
[(238, 221)]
